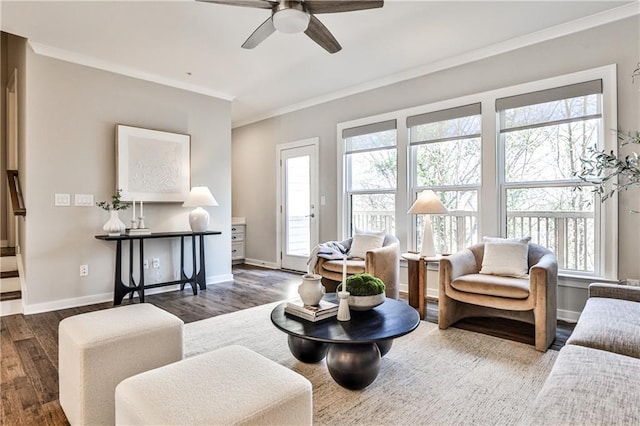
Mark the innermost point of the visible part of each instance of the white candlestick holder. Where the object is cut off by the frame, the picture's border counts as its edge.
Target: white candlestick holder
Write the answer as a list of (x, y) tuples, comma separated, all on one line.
[(343, 308)]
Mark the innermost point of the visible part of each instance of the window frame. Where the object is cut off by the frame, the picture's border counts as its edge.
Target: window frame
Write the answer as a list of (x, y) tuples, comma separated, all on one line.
[(491, 217), (605, 214), (344, 184), (415, 189)]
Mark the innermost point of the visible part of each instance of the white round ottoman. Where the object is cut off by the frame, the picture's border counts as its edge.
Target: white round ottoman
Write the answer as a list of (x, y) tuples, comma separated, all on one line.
[(97, 350), (229, 386)]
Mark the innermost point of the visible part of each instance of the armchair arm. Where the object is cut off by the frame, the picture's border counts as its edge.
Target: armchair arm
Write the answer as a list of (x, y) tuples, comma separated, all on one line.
[(545, 273), (384, 263), (318, 268), (545, 269), (458, 264), (614, 291)]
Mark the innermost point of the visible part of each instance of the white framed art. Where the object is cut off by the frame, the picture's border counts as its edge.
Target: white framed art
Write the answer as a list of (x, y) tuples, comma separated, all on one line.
[(152, 165)]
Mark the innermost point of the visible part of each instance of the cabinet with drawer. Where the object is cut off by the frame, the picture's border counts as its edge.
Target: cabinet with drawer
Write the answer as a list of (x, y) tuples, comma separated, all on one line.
[(237, 243)]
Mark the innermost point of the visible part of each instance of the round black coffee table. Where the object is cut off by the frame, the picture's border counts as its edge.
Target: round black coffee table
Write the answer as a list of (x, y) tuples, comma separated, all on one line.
[(353, 348)]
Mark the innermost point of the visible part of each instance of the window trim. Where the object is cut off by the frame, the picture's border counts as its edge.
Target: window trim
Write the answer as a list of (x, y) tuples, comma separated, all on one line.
[(606, 216), (490, 194)]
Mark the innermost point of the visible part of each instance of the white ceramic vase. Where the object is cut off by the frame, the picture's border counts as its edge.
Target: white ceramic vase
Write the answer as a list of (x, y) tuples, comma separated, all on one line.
[(114, 225), (311, 289)]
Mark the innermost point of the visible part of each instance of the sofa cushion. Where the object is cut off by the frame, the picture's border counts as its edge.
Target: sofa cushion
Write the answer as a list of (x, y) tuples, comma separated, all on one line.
[(354, 266), (513, 288), (588, 387), (609, 324), (505, 258), (363, 241)]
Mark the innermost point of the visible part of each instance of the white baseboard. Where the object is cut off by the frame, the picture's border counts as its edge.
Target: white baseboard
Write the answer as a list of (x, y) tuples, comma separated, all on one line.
[(11, 307), (55, 305), (568, 316), (262, 263), (219, 279), (108, 297)]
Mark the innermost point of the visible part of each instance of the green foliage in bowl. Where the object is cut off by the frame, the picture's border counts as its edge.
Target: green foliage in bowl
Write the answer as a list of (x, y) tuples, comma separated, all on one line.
[(364, 285)]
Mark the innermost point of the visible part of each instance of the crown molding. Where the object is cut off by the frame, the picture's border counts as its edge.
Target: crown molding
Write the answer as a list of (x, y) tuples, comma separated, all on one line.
[(557, 31), (92, 62)]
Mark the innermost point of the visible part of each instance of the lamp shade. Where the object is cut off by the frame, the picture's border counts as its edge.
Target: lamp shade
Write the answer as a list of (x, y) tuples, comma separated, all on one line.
[(200, 196), (428, 203)]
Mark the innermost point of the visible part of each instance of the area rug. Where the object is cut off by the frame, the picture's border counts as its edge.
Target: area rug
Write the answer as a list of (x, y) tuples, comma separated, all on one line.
[(430, 376)]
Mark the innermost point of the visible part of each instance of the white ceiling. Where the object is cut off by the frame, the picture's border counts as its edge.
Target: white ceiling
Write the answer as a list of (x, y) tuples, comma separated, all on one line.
[(196, 45)]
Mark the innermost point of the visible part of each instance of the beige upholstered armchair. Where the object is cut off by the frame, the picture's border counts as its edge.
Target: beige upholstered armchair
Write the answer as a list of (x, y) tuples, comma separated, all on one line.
[(383, 262), (464, 292)]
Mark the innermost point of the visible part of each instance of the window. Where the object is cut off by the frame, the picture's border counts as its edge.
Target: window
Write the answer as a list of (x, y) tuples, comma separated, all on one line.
[(371, 176), (502, 163), (445, 156), (542, 137)]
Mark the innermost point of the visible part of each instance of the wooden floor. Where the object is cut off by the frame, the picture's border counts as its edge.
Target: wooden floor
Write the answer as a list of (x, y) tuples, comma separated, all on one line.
[(29, 344)]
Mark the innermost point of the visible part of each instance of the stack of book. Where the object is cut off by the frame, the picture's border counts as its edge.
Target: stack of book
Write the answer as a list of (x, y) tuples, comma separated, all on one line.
[(320, 312), (138, 231)]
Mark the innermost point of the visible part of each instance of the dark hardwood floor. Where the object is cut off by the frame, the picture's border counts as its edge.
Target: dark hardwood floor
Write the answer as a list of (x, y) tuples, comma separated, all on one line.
[(29, 344)]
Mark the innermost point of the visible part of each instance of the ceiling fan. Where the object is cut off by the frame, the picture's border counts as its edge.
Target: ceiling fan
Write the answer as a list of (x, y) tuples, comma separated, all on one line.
[(298, 16)]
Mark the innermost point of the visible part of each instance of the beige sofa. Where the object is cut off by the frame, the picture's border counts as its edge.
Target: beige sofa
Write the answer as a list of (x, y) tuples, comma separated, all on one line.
[(383, 263), (596, 378), (464, 292)]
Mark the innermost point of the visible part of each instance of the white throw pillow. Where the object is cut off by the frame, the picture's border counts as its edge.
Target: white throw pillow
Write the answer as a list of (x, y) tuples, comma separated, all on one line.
[(365, 241), (505, 258)]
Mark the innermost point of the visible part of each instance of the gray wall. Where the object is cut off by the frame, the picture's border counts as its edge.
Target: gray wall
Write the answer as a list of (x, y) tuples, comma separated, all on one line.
[(71, 115), (254, 171)]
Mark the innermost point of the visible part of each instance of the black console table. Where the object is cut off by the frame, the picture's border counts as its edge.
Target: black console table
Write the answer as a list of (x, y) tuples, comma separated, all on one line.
[(198, 277)]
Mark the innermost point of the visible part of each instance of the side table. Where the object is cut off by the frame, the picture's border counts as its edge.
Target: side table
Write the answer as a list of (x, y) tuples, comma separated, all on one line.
[(417, 281)]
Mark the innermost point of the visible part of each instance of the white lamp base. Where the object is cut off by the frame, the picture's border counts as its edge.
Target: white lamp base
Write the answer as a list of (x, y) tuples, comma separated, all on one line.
[(428, 248), (199, 220)]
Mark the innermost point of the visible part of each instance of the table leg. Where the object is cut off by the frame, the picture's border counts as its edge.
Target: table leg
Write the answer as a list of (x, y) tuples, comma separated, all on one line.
[(132, 282), (119, 290), (194, 273), (354, 366), (422, 286), (384, 346), (307, 351), (416, 284), (201, 278), (183, 276), (141, 279)]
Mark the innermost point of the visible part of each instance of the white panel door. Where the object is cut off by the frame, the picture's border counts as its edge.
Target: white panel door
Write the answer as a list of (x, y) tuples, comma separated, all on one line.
[(298, 213)]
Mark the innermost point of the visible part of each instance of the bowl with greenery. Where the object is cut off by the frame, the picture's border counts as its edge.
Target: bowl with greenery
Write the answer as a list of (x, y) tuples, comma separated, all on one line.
[(365, 292)]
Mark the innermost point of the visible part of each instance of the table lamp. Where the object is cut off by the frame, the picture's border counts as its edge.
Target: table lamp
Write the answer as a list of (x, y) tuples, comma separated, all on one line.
[(427, 204), (198, 197)]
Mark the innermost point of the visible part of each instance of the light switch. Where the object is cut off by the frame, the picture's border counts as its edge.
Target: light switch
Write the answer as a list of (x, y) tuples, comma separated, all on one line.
[(63, 200), (84, 200)]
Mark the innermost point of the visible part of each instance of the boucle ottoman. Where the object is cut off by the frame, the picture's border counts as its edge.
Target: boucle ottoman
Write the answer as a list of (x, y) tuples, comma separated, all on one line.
[(97, 350), (229, 386)]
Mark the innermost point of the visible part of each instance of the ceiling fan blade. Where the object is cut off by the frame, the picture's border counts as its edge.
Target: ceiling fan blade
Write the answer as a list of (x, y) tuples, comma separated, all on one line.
[(262, 32), (259, 4), (335, 6), (321, 35)]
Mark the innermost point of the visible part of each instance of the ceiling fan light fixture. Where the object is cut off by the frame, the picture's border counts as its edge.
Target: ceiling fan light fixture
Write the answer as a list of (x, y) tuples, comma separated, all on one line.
[(291, 21)]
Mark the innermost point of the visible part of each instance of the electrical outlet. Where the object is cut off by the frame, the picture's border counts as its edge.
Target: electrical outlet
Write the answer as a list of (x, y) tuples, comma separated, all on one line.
[(155, 263), (145, 264), (84, 200), (84, 270), (633, 282), (62, 200)]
